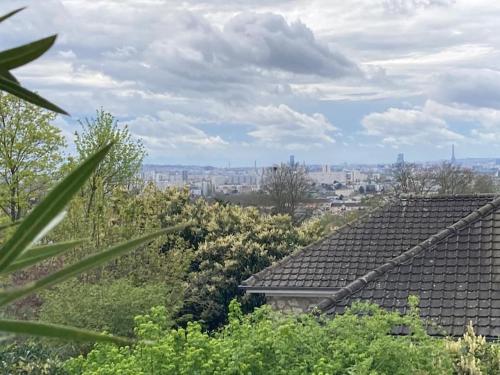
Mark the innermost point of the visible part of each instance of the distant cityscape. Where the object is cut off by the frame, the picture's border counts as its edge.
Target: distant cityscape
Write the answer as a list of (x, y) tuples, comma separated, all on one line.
[(345, 179)]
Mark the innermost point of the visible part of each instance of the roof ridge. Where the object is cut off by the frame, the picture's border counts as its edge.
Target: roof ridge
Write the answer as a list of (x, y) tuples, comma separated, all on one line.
[(359, 283), (256, 277), (404, 196)]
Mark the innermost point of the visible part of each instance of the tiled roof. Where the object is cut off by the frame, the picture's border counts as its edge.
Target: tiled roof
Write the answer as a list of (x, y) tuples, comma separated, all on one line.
[(444, 249)]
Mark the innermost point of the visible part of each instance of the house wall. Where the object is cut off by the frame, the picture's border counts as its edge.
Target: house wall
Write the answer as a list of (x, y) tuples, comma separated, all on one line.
[(290, 304)]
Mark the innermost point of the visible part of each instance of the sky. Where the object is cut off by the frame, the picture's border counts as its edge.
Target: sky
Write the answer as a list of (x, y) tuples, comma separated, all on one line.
[(219, 82)]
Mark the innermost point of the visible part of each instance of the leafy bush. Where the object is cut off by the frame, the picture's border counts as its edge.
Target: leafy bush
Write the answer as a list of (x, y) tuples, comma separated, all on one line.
[(109, 307), (29, 357), (267, 342), (223, 245), (473, 355)]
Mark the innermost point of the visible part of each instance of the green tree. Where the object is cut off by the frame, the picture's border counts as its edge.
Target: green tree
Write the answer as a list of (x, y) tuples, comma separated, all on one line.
[(121, 164), (29, 154)]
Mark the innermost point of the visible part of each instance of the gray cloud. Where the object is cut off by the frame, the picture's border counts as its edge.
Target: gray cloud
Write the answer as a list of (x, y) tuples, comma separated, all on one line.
[(275, 66), (478, 87)]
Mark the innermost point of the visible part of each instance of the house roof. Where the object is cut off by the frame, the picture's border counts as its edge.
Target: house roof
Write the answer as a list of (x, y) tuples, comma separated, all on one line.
[(446, 249)]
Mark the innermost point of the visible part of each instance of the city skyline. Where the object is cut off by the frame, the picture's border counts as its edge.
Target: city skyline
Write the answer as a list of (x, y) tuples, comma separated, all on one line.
[(326, 81)]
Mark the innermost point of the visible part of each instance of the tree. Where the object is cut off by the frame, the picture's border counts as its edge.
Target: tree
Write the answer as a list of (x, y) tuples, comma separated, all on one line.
[(410, 179), (287, 186), (484, 184), (121, 164), (453, 179), (29, 154)]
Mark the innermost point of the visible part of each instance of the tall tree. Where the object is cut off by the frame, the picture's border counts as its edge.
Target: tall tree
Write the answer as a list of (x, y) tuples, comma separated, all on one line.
[(29, 154), (121, 164), (287, 186)]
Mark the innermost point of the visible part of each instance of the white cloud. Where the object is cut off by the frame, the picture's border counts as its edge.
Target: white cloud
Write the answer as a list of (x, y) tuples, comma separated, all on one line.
[(169, 132), (397, 127), (282, 126), (257, 62), (434, 123)]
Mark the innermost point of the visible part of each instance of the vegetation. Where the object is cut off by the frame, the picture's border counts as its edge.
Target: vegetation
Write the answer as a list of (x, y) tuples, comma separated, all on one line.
[(122, 163), (287, 186), (201, 265), (266, 342), (14, 58), (187, 275), (30, 154), (19, 250), (445, 179)]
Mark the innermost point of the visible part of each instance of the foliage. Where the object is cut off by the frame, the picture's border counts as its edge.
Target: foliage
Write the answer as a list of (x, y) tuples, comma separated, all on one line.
[(473, 355), (447, 178), (227, 245), (110, 306), (29, 154), (18, 252), (29, 357), (266, 342), (223, 245), (119, 166), (15, 57), (484, 184)]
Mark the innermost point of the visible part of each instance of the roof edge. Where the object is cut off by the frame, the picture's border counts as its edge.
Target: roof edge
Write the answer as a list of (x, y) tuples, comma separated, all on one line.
[(374, 274), (293, 292), (256, 276), (445, 196)]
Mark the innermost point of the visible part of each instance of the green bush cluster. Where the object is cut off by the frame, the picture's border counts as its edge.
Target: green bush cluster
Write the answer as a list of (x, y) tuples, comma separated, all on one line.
[(267, 342), (194, 273), (29, 357)]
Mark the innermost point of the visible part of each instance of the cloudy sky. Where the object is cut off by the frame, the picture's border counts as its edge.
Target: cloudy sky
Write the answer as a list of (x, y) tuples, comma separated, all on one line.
[(330, 81)]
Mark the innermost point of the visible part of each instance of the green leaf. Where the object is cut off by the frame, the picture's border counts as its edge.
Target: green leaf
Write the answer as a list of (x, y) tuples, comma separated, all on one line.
[(9, 225), (22, 93), (8, 75), (39, 253), (48, 209), (83, 265), (58, 331), (10, 14), (19, 56)]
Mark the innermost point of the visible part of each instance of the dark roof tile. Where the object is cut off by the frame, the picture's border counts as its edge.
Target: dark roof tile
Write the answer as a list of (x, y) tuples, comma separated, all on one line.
[(444, 249)]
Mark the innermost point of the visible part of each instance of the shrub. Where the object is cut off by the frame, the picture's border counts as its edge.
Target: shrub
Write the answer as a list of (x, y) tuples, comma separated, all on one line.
[(110, 306), (472, 355), (267, 342), (29, 357)]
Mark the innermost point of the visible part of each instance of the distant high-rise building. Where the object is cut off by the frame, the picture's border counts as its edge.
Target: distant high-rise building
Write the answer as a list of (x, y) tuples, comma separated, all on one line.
[(453, 160), (184, 176), (400, 159), (292, 160)]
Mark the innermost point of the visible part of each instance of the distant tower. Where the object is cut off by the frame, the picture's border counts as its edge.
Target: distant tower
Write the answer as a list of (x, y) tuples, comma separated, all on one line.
[(401, 159), (184, 176), (453, 160), (292, 160)]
